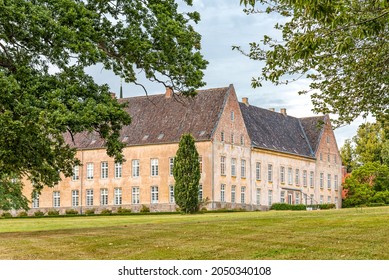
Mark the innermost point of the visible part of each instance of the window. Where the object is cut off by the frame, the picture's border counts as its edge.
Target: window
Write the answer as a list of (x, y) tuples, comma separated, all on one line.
[(118, 196), (243, 168), (282, 197), (321, 199), (222, 190), (89, 197), (270, 197), (258, 196), (328, 158), (171, 194), (200, 192), (297, 178), (282, 174), (328, 199), (201, 164), (233, 167), (154, 167), (223, 165), (171, 165), (222, 136), (311, 198), (103, 197), (329, 181), (76, 173), (135, 195), (242, 140), (89, 171), (321, 156), (35, 200), (336, 182), (321, 180), (336, 201), (118, 170), (232, 115), (243, 195), (75, 194), (335, 159), (290, 176), (304, 178), (104, 170), (258, 171), (56, 199), (232, 138), (135, 168), (328, 139), (305, 199), (270, 173), (297, 196), (233, 198), (154, 194), (311, 179)]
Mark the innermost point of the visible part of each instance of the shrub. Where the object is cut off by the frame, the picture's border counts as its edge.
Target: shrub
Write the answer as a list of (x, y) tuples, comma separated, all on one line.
[(144, 209), (106, 212), (90, 211), (22, 214), (123, 211), (327, 206), (285, 206), (376, 204), (38, 213), (6, 215), (53, 212), (71, 212)]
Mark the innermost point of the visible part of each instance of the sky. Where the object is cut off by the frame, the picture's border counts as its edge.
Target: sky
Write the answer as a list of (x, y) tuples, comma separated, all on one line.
[(224, 24)]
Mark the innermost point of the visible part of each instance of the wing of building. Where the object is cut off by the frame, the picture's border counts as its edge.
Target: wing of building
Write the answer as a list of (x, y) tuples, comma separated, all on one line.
[(250, 157)]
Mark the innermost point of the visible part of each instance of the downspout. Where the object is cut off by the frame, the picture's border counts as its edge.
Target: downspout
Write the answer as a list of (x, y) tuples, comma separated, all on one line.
[(213, 178), (82, 179)]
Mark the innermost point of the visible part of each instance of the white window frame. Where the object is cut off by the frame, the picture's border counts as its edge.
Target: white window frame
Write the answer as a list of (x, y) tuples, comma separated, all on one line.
[(222, 193), (171, 165), (232, 139), (56, 199), (297, 177), (305, 181), (135, 168), (329, 181), (154, 194), (336, 182), (35, 200), (200, 192), (243, 195), (312, 179), (282, 197), (223, 165), (232, 116), (233, 167), (258, 171), (171, 194), (118, 170), (89, 197), (258, 196), (76, 173), (243, 168), (269, 197), (297, 198), (282, 174), (89, 171), (103, 197), (321, 199), (154, 167), (290, 176), (270, 173), (117, 196), (104, 169), (233, 194), (321, 180), (75, 198), (201, 164), (135, 195)]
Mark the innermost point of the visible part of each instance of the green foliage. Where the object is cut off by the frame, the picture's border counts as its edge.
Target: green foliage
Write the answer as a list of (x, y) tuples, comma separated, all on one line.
[(326, 206), (39, 214), (144, 209), (11, 196), (124, 211), (71, 212), (90, 211), (342, 46), (6, 215), (22, 214), (347, 152), (186, 171), (106, 212), (285, 206), (45, 93), (53, 212)]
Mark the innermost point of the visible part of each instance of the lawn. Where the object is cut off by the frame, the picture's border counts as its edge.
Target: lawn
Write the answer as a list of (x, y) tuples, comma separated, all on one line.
[(326, 234)]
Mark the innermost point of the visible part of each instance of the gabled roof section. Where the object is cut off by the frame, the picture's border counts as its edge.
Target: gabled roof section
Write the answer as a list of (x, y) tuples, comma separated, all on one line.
[(158, 119), (275, 131), (313, 127)]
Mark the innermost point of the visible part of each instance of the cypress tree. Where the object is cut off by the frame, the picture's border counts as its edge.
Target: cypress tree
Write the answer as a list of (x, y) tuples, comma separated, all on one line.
[(186, 172)]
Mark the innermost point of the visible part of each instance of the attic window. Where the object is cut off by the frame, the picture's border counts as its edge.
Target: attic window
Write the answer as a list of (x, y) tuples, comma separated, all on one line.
[(202, 132), (283, 148), (160, 136), (93, 141), (264, 144), (125, 139), (145, 137), (232, 115), (295, 151)]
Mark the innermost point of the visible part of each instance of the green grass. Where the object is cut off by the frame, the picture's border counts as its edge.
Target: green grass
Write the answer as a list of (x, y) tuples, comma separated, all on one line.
[(330, 234)]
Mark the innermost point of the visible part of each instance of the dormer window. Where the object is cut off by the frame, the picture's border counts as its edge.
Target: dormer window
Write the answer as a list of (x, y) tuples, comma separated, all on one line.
[(232, 115), (222, 136)]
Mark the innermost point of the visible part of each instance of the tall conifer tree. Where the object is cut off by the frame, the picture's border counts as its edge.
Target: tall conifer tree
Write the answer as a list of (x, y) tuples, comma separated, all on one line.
[(186, 171)]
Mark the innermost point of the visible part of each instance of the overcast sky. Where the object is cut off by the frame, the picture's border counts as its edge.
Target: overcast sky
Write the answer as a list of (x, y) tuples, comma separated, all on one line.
[(224, 24)]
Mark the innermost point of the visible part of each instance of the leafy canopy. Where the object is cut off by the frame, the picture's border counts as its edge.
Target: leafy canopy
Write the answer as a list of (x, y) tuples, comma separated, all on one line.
[(342, 46), (45, 47), (186, 171)]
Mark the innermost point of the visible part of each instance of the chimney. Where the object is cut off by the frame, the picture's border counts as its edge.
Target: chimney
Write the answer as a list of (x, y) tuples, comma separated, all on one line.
[(283, 111), (245, 101), (113, 95), (169, 92), (271, 109)]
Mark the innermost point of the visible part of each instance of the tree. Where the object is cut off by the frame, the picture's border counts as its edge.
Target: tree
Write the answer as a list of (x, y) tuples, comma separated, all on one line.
[(45, 47), (369, 143), (347, 152), (342, 46), (186, 171)]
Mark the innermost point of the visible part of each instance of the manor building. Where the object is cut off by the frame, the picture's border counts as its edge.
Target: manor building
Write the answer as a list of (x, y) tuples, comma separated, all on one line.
[(250, 157)]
